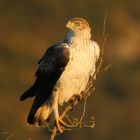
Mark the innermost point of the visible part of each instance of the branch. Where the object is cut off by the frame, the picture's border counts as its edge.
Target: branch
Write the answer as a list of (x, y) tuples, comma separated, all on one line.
[(7, 133)]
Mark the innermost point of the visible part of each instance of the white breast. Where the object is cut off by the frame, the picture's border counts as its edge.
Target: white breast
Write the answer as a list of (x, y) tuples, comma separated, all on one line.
[(81, 65)]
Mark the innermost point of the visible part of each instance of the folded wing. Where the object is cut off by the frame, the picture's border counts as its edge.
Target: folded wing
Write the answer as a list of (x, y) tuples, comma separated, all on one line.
[(51, 66)]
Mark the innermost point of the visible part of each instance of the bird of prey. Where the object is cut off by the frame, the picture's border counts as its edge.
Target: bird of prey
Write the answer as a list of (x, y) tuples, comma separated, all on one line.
[(63, 72)]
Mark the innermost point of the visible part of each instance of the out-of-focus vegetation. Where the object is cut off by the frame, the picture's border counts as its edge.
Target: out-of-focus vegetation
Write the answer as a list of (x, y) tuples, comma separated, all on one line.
[(28, 27)]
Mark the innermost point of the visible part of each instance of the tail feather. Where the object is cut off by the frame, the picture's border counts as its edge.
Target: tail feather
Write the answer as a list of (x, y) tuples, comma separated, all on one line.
[(36, 104), (40, 115), (41, 108)]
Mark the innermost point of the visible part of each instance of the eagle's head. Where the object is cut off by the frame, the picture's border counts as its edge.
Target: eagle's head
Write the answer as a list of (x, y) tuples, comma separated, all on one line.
[(78, 27)]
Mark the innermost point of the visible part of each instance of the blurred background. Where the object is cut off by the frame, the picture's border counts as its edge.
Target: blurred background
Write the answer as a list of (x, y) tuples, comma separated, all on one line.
[(29, 27)]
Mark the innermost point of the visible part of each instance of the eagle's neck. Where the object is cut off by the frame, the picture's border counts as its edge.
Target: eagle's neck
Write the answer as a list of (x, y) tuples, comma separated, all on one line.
[(77, 37)]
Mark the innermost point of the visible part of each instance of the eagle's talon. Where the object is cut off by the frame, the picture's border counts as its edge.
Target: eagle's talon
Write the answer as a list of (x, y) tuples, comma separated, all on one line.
[(60, 124)]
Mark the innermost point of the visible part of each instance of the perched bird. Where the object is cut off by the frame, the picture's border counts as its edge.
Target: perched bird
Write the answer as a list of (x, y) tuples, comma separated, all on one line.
[(63, 72)]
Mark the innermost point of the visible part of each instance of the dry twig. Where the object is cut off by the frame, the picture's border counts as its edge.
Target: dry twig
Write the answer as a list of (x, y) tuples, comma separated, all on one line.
[(7, 133)]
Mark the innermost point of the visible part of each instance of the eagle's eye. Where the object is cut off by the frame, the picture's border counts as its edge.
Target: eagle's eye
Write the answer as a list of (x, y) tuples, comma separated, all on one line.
[(77, 23)]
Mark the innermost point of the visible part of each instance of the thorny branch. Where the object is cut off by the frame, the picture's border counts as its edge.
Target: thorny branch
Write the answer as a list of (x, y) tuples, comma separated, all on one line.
[(89, 89)]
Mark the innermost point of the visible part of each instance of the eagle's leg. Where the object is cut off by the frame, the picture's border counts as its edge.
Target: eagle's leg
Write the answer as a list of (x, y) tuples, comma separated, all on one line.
[(74, 100), (60, 124)]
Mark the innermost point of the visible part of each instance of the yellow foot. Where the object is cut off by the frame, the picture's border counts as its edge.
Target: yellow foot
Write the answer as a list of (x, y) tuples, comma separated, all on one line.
[(60, 124)]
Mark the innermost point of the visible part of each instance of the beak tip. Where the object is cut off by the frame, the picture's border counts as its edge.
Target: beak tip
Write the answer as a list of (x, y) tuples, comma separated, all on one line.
[(68, 25)]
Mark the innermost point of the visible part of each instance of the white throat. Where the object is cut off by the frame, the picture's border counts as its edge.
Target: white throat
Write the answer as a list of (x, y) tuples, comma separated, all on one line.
[(72, 36)]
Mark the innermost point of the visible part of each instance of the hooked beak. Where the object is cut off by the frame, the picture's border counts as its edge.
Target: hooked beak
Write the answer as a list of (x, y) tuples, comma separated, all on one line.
[(70, 25)]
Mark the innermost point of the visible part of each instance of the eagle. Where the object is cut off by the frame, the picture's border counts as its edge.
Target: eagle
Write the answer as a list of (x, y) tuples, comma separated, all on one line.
[(64, 71)]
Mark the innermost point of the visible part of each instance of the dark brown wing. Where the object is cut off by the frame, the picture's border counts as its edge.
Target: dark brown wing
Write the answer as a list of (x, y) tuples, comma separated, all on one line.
[(51, 67)]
